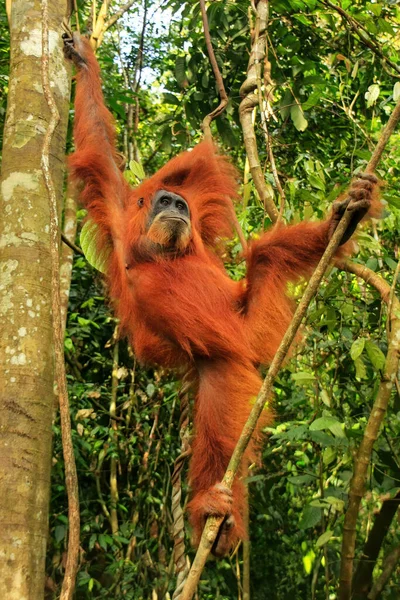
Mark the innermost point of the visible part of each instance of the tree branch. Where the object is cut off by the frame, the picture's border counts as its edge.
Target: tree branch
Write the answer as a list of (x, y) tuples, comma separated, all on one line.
[(71, 245)]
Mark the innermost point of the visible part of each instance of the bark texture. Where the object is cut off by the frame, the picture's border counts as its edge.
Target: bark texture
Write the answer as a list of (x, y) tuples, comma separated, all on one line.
[(26, 342)]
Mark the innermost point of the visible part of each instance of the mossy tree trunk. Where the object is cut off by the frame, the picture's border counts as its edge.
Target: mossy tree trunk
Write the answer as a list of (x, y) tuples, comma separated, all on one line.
[(26, 341)]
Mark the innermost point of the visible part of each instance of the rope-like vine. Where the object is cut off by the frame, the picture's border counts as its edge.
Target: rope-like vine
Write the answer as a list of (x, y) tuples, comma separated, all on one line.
[(181, 562)]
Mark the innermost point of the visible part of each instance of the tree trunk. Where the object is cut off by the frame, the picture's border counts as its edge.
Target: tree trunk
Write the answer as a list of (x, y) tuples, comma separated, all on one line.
[(26, 342)]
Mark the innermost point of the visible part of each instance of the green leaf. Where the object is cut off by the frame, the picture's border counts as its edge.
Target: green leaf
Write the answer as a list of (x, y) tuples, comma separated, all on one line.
[(355, 70), (323, 423), (361, 370), (88, 240), (396, 91), (328, 455), (301, 479), (102, 541), (372, 94), (303, 377), (150, 389), (325, 398), (375, 8), (303, 19), (336, 503), (337, 430), (324, 538), (180, 71), (385, 27), (372, 263), (69, 344), (311, 517), (357, 348), (166, 139), (375, 355), (59, 533), (321, 438), (392, 264), (297, 117), (312, 99), (118, 108), (298, 432), (393, 200), (308, 561), (137, 170), (92, 541), (285, 104), (169, 98), (316, 182)]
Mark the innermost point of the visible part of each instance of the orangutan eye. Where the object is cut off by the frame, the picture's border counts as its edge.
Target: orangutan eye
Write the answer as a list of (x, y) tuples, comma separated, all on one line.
[(140, 202)]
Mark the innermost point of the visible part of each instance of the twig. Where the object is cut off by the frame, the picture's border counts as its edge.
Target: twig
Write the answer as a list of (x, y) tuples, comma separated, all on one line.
[(73, 246), (357, 484), (217, 74), (213, 524), (71, 478)]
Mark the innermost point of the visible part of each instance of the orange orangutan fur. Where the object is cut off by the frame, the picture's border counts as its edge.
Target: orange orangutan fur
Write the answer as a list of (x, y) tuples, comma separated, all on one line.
[(181, 310)]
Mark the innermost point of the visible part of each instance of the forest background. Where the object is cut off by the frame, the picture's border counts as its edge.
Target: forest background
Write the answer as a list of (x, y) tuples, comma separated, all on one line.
[(326, 81)]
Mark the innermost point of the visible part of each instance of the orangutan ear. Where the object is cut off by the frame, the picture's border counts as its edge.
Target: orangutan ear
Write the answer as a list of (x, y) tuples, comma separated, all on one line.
[(176, 178)]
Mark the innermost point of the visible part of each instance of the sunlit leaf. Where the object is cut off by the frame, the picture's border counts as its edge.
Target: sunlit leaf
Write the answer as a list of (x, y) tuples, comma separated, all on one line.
[(89, 244), (308, 561), (372, 94), (357, 348), (396, 91), (137, 169)]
